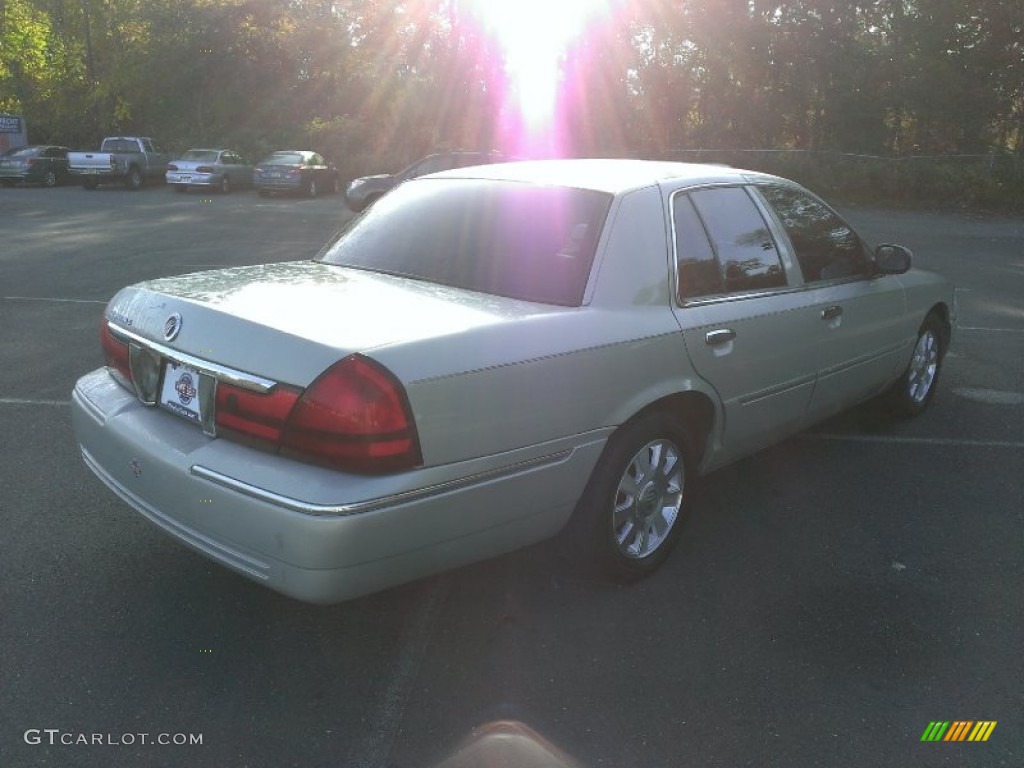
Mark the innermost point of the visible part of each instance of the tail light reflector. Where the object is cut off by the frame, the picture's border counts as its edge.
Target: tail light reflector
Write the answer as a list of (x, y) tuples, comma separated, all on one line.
[(172, 167), (204, 169), (258, 416), (115, 353)]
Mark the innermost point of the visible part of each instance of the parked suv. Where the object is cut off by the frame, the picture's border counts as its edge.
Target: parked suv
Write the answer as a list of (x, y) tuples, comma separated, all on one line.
[(364, 191)]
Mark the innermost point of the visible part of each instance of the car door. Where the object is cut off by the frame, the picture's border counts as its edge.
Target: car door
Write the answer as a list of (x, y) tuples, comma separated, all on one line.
[(862, 312), (748, 329)]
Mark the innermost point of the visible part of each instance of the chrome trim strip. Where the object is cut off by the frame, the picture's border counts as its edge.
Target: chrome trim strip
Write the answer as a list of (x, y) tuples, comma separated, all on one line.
[(784, 387), (220, 372), (860, 360), (405, 497)]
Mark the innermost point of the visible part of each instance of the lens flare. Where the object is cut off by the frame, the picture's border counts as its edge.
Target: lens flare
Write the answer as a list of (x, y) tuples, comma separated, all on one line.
[(534, 36)]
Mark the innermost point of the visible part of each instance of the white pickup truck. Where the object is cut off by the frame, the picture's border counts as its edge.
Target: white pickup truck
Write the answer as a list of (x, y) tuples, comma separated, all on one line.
[(129, 159)]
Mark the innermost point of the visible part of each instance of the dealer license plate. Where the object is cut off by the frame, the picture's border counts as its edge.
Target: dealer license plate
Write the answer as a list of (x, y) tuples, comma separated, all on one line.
[(180, 391)]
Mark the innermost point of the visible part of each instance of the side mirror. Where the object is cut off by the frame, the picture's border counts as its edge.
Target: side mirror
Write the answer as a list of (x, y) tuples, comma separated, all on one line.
[(892, 259)]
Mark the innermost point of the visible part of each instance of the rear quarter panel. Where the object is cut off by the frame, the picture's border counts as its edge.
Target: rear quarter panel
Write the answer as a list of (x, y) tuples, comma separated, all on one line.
[(570, 372)]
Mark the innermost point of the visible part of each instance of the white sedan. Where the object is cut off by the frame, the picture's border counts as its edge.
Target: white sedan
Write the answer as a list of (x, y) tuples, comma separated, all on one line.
[(490, 355)]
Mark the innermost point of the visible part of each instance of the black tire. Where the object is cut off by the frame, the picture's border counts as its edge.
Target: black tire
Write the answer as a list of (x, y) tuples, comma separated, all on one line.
[(90, 184), (914, 390), (311, 190), (225, 185), (616, 531), (134, 179), (50, 179)]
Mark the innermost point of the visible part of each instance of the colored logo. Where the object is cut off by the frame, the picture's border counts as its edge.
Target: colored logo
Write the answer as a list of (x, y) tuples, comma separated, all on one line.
[(172, 326), (185, 388), (958, 730)]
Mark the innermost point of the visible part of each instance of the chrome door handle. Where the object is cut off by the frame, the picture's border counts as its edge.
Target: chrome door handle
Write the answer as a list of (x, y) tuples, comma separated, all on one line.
[(720, 336), (829, 312)]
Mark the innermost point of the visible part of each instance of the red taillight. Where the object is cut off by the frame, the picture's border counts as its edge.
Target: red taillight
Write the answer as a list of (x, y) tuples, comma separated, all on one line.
[(30, 161), (258, 416), (355, 416), (172, 167), (204, 169), (115, 353)]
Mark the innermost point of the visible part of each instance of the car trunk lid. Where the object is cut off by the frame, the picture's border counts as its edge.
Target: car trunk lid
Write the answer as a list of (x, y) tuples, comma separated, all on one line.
[(290, 321)]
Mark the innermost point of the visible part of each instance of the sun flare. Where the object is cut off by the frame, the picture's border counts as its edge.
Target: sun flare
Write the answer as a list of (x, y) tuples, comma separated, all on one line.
[(534, 36)]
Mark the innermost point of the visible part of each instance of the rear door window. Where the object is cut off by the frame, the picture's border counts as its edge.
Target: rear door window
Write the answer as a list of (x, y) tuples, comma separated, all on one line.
[(723, 244)]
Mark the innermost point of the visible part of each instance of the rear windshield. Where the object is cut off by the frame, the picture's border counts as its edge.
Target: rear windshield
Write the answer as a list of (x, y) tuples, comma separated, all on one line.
[(504, 238), (283, 158), (24, 152), (201, 155)]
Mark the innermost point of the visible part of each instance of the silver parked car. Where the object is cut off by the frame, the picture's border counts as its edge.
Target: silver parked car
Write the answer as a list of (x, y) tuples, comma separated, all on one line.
[(491, 355), (221, 169)]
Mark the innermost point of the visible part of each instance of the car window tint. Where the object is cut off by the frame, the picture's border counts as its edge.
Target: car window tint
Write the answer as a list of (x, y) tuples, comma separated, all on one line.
[(696, 266), (504, 238), (825, 246), (201, 155), (743, 245)]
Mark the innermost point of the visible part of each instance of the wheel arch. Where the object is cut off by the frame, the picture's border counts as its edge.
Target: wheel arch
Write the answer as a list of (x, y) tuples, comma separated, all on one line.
[(696, 408), (941, 312)]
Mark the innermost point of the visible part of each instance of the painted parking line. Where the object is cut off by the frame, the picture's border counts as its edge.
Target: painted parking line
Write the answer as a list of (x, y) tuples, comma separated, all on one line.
[(24, 401), (993, 330), (46, 298), (383, 727), (950, 441)]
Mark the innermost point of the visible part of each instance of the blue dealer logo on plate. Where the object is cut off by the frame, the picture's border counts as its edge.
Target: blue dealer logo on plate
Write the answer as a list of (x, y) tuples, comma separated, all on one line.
[(185, 388)]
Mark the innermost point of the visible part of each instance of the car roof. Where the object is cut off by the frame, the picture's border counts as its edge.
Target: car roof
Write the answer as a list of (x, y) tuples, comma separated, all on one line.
[(603, 175)]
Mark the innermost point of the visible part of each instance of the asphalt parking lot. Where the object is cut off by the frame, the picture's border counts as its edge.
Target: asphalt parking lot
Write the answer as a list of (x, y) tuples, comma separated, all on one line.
[(831, 597)]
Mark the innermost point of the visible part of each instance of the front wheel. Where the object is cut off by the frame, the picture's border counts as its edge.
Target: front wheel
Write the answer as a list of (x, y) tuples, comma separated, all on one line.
[(632, 511), (914, 390), (311, 189), (50, 179)]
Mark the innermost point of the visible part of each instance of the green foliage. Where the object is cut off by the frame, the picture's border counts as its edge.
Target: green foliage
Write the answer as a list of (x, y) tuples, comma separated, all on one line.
[(374, 84)]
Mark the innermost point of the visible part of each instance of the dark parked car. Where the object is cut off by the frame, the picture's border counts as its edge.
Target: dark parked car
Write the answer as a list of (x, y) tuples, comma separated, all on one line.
[(366, 190), (295, 170), (38, 164)]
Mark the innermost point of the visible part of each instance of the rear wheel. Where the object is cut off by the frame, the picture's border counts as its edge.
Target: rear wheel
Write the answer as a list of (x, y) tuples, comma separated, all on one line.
[(134, 179), (225, 185), (311, 189), (90, 184), (632, 511)]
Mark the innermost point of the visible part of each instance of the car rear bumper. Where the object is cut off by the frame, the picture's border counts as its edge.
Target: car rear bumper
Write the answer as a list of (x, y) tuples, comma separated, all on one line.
[(338, 538), (13, 175), (192, 179), (283, 185)]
